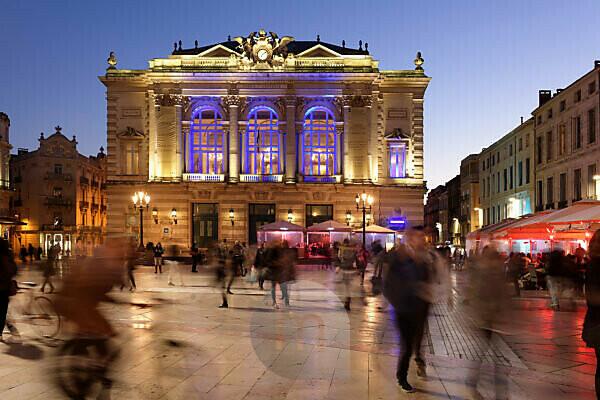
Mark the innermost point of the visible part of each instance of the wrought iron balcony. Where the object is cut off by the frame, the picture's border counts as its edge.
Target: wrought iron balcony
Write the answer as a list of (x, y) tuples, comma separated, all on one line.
[(190, 177), (58, 176), (254, 178), (58, 201)]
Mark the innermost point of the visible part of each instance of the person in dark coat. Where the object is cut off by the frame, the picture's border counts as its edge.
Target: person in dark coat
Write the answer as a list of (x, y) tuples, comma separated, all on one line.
[(591, 323), (49, 267), (31, 252), (23, 254), (406, 272), (158, 257), (38, 255), (8, 270), (195, 257), (260, 265)]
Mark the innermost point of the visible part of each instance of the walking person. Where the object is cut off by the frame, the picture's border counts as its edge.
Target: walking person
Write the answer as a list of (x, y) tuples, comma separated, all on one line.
[(130, 258), (30, 252), (195, 253), (23, 254), (8, 286), (490, 307), (591, 322), (238, 259), (377, 252), (174, 267), (555, 269), (516, 265), (158, 257), (283, 265), (38, 254), (260, 265), (50, 268), (219, 257), (362, 260), (406, 272), (347, 256)]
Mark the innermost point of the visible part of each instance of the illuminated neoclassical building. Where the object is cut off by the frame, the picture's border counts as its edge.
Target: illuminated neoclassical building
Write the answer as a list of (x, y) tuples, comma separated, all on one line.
[(230, 136)]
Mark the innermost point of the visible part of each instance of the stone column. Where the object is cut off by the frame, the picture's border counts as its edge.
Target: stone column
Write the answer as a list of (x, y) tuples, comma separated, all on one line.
[(185, 145), (291, 166), (233, 102), (152, 136), (178, 165), (347, 171), (339, 132)]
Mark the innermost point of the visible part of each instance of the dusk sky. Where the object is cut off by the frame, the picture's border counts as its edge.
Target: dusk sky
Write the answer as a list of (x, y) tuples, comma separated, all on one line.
[(487, 59)]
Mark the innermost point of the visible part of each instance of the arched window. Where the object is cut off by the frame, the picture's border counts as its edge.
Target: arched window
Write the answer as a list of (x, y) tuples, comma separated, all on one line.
[(319, 147), (262, 143), (207, 140)]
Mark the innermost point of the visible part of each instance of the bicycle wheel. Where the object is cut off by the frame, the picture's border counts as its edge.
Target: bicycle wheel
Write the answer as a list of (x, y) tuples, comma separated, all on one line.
[(77, 370), (44, 319)]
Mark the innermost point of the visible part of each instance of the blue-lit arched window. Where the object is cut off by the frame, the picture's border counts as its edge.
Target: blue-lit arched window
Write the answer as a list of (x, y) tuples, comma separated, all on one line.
[(319, 146), (262, 143), (207, 140)]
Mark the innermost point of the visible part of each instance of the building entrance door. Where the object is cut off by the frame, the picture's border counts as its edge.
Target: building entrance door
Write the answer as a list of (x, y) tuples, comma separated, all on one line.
[(205, 224), (60, 239), (259, 215)]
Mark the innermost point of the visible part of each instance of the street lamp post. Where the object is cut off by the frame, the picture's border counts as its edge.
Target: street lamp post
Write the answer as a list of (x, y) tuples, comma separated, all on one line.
[(364, 203), (141, 200)]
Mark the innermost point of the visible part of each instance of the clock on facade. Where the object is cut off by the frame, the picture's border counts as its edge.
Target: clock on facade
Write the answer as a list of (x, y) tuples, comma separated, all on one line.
[(262, 54)]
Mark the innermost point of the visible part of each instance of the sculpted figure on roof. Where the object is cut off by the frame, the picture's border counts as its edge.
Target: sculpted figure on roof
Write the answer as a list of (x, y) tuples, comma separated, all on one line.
[(257, 47)]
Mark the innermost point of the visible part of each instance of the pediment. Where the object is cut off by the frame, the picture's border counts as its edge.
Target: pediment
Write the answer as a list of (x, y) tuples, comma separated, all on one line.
[(131, 133), (319, 51), (217, 51), (397, 134)]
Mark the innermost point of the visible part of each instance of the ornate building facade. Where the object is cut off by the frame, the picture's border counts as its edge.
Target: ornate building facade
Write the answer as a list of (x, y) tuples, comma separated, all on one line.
[(567, 143), (59, 195), (230, 136)]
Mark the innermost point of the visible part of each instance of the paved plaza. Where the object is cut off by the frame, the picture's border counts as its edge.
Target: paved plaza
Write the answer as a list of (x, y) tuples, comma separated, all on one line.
[(187, 348)]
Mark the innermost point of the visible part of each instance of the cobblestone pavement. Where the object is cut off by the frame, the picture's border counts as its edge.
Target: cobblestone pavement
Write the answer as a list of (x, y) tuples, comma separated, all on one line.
[(312, 350)]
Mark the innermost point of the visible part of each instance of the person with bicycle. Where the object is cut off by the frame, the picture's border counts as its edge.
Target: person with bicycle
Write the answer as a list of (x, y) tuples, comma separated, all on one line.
[(8, 287), (84, 288)]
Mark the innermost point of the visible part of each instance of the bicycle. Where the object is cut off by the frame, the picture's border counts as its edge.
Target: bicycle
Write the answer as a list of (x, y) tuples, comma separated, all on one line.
[(36, 311)]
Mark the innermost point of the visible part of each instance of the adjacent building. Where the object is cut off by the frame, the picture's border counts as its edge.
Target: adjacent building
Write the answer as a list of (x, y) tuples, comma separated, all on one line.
[(506, 175), (471, 214), (59, 195), (567, 143), (227, 137), (436, 214), (7, 214)]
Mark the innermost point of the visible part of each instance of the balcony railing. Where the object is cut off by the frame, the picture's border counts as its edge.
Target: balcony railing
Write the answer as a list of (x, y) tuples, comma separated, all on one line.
[(322, 179), (260, 178), (58, 201), (204, 177), (58, 176)]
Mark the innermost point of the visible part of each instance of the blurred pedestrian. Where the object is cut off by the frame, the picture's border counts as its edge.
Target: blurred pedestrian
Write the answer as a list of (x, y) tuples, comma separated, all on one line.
[(515, 267), (23, 254), (130, 258), (50, 268), (220, 259), (405, 277), (8, 286), (489, 302), (362, 260), (260, 264), (283, 265), (195, 253), (238, 258), (591, 323), (158, 257), (30, 252), (38, 255), (377, 253), (174, 267), (347, 256)]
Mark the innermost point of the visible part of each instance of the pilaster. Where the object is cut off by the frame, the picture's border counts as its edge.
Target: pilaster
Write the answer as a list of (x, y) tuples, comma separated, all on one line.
[(233, 103), (291, 142)]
